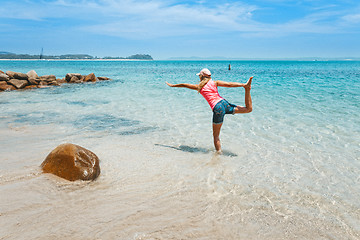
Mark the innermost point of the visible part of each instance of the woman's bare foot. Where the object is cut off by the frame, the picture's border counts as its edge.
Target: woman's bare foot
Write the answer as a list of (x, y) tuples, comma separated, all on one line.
[(248, 84)]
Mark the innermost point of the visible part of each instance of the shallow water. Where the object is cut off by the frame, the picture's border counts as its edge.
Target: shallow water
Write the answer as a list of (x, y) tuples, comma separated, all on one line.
[(290, 169)]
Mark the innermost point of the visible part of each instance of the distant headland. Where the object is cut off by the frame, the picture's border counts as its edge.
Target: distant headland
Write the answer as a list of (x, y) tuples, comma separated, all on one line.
[(9, 55)]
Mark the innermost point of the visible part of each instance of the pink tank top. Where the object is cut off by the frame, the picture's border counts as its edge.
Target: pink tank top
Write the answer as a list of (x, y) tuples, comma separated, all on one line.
[(211, 94)]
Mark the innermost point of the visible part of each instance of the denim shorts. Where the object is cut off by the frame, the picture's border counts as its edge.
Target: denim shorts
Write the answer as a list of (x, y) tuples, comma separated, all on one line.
[(221, 108)]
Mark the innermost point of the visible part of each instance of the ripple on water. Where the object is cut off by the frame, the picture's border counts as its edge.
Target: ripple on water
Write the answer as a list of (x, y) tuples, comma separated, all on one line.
[(112, 124), (34, 118)]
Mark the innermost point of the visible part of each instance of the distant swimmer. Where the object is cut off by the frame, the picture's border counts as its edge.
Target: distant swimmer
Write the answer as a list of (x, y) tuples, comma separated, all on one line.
[(229, 66), (208, 88)]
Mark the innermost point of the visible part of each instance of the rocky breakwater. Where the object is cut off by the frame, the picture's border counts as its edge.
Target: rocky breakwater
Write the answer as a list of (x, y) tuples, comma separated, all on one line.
[(16, 80)]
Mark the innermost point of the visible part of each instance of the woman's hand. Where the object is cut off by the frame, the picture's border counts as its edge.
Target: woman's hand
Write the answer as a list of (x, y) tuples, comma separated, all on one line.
[(169, 84)]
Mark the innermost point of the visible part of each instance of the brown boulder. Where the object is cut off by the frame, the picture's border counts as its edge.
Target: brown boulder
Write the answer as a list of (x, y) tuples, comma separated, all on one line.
[(70, 75), (32, 75), (32, 81), (48, 78), (17, 75), (30, 87), (54, 83), (61, 80), (72, 162), (43, 86), (11, 74), (103, 78), (6, 87), (43, 83), (3, 82), (90, 78), (4, 77), (21, 76), (18, 83), (2, 72), (75, 79)]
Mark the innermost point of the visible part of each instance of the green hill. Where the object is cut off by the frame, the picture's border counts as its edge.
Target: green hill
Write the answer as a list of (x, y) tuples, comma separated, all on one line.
[(9, 55)]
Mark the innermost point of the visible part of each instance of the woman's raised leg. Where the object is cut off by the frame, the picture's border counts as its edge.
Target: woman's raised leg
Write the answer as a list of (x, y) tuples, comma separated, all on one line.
[(248, 101)]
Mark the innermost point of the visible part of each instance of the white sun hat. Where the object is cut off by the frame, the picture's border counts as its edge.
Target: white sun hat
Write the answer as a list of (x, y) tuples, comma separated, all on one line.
[(204, 71)]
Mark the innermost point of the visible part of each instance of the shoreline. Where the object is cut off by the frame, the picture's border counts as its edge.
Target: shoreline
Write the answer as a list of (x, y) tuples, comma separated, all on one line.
[(44, 60)]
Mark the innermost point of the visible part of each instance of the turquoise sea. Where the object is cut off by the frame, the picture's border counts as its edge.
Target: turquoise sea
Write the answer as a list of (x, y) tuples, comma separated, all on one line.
[(290, 169)]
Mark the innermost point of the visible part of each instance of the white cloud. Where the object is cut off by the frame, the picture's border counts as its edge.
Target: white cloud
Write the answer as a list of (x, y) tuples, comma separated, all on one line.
[(159, 18), (352, 18), (14, 10), (134, 19), (319, 22)]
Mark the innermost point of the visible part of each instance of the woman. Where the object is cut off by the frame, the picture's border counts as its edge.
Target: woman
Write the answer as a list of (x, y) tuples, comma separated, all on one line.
[(208, 89)]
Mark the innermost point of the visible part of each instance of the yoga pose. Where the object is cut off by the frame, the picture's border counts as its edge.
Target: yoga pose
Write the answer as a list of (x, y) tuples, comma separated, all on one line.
[(208, 89)]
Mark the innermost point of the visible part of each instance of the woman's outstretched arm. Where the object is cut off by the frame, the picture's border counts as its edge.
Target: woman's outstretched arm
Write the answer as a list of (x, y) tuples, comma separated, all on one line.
[(183, 85), (229, 84)]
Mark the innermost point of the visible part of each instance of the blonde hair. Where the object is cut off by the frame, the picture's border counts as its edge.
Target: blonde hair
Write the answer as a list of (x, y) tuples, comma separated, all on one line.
[(203, 81)]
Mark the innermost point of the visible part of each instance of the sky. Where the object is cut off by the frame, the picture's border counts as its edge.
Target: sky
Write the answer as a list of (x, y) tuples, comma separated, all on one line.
[(171, 28)]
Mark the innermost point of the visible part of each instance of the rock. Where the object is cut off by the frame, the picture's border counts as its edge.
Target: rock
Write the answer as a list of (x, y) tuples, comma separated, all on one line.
[(103, 78), (90, 78), (6, 87), (32, 81), (4, 77), (17, 75), (43, 83), (21, 76), (32, 75), (54, 83), (61, 80), (70, 75), (3, 83), (30, 86), (10, 74), (75, 79), (43, 86), (21, 80), (72, 162), (48, 78), (18, 83)]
